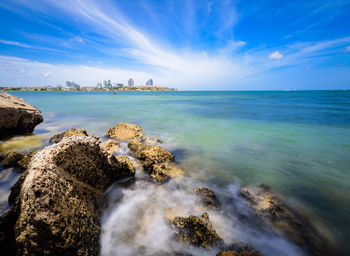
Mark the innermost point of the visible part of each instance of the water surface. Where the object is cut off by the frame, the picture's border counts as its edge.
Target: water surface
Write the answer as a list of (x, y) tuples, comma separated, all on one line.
[(296, 142)]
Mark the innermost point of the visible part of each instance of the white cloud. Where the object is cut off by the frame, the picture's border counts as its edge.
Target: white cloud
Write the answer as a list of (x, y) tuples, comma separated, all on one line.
[(276, 55), (46, 74), (347, 49), (19, 44)]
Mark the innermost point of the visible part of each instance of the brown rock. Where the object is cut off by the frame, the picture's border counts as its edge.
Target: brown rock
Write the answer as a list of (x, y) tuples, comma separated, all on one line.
[(71, 132), (25, 161), (196, 231), (157, 161), (125, 131), (58, 198), (235, 253), (208, 198), (11, 159), (17, 116), (110, 146), (279, 215)]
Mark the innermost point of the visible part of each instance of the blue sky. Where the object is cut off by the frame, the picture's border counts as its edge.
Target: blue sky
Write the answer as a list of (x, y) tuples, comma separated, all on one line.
[(190, 45)]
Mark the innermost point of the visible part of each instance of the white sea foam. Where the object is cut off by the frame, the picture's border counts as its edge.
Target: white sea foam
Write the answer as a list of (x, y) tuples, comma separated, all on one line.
[(136, 221)]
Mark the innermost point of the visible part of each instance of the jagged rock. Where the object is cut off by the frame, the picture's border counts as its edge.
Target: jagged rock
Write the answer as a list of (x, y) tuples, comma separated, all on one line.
[(279, 215), (110, 146), (69, 133), (196, 231), (208, 197), (157, 161), (125, 131), (57, 200), (17, 116), (11, 159), (235, 253), (24, 162)]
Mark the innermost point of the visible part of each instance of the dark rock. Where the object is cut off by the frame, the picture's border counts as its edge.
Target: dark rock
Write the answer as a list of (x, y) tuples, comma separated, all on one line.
[(208, 197), (17, 116), (125, 131), (157, 161), (11, 159), (279, 215), (57, 200), (25, 161), (196, 231), (235, 253), (69, 133)]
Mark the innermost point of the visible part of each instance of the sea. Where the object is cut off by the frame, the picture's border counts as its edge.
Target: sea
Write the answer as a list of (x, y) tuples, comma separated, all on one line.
[(295, 142)]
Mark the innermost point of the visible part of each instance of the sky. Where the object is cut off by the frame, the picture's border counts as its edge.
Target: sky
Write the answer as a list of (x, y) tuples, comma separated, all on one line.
[(184, 44)]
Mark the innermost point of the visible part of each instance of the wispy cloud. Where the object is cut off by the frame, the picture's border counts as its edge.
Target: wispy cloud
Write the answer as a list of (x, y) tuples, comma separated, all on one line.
[(152, 54), (19, 44)]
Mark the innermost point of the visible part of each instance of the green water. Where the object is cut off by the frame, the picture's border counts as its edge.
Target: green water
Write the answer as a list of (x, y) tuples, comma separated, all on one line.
[(296, 142)]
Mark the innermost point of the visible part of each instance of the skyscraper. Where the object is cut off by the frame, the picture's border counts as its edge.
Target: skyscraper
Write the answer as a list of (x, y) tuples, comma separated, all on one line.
[(131, 82), (149, 82)]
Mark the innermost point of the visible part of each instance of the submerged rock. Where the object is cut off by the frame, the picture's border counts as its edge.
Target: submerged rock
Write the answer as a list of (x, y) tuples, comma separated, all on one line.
[(17, 116), (11, 159), (157, 161), (196, 231), (110, 146), (57, 200), (69, 133), (282, 217), (208, 197), (125, 131)]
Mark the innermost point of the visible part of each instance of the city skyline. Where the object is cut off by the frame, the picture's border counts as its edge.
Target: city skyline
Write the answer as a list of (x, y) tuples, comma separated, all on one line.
[(190, 45)]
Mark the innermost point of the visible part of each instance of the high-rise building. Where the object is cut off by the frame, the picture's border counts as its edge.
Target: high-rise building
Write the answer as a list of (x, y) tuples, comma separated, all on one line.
[(68, 84), (131, 82), (99, 85), (105, 84), (149, 82)]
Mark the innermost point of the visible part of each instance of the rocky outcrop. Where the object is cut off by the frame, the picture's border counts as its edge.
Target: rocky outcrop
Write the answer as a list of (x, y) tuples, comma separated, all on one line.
[(196, 231), (157, 161), (11, 159), (110, 146), (207, 197), (239, 253), (56, 202), (69, 133), (125, 131), (279, 215), (25, 161), (17, 116)]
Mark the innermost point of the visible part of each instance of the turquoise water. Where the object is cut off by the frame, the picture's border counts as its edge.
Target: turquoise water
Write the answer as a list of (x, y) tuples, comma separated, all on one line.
[(296, 142)]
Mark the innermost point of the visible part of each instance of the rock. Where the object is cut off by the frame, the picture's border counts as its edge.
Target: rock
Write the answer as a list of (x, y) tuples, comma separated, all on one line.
[(235, 253), (58, 198), (25, 161), (297, 227), (110, 146), (17, 116), (157, 161), (71, 132), (207, 196), (125, 131), (196, 231), (11, 159)]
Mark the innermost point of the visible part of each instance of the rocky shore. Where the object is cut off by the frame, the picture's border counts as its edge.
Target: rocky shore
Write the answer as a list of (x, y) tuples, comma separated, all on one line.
[(17, 116), (56, 203)]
